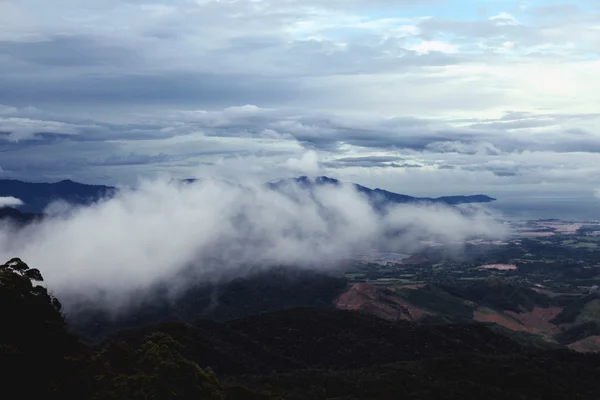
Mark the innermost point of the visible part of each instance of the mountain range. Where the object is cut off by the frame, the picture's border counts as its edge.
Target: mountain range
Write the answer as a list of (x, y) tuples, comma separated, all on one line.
[(16, 216), (298, 353), (37, 196), (380, 197)]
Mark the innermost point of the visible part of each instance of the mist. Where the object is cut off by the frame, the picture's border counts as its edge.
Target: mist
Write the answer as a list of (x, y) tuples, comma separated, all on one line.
[(10, 202), (210, 231)]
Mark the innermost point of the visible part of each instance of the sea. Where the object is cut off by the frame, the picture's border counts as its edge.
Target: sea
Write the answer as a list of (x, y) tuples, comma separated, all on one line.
[(568, 208)]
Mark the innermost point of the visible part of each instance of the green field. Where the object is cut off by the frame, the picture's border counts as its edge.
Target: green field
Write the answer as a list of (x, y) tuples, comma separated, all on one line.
[(590, 312), (585, 245)]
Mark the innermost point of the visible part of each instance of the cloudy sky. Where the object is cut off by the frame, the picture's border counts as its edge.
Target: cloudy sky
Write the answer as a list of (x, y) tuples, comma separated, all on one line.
[(423, 97)]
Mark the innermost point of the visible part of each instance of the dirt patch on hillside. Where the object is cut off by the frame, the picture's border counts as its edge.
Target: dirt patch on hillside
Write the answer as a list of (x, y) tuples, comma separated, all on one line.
[(415, 259), (380, 301), (538, 319), (499, 267), (547, 292), (587, 345), (482, 315), (414, 287)]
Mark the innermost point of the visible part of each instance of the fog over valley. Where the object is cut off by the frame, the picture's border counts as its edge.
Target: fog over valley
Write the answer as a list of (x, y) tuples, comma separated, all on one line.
[(215, 230), (300, 199)]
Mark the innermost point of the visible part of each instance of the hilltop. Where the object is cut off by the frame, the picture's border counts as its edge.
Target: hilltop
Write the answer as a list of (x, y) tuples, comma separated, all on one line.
[(15, 216), (379, 197), (37, 196), (298, 353)]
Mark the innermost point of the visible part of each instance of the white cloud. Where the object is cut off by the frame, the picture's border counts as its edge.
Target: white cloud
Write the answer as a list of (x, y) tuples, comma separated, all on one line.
[(25, 129), (10, 201), (203, 85), (308, 164), (218, 230), (504, 18), (426, 47)]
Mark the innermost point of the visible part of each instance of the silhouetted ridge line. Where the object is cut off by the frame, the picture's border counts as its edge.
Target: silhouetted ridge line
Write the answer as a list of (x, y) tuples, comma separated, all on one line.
[(37, 196), (380, 197)]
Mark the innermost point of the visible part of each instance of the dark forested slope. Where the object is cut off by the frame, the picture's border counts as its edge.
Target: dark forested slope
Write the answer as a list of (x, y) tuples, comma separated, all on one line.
[(299, 353)]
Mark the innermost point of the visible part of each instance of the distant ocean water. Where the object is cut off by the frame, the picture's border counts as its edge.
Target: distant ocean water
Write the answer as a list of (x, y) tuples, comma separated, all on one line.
[(543, 207)]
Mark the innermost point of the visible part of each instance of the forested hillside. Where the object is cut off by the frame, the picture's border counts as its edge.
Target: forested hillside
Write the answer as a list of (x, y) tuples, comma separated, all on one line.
[(299, 353)]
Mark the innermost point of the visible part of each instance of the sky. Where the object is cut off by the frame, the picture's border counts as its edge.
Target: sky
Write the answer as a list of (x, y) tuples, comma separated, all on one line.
[(420, 97)]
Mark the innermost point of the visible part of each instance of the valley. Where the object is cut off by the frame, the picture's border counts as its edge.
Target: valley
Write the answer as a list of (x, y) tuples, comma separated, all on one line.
[(543, 280), (444, 316)]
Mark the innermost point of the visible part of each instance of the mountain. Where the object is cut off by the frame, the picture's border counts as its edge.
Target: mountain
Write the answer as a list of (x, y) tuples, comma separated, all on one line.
[(519, 312), (379, 197), (37, 196), (15, 216), (268, 290), (296, 354), (524, 313)]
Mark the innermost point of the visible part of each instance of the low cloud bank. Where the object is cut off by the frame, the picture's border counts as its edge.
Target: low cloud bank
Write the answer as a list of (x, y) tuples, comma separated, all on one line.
[(10, 202), (211, 230)]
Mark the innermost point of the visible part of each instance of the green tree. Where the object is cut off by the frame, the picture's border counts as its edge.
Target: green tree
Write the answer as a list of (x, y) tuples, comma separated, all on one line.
[(155, 371), (34, 339), (31, 318)]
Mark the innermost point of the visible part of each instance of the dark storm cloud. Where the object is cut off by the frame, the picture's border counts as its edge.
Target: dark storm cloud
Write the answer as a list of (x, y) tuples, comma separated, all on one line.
[(201, 89), (66, 52), (366, 164), (413, 134), (328, 132), (99, 68), (373, 159), (504, 173), (370, 162), (417, 142), (114, 88), (138, 159)]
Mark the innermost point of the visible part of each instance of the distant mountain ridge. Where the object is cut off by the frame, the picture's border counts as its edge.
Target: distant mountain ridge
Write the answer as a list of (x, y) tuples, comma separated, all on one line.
[(381, 197), (17, 217), (37, 196)]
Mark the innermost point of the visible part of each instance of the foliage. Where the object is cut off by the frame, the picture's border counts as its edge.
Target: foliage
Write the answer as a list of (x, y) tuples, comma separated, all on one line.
[(499, 293), (34, 339), (155, 370), (438, 300), (574, 308), (16, 217), (272, 289), (293, 354), (35, 343), (31, 317), (513, 376), (578, 332), (526, 339)]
